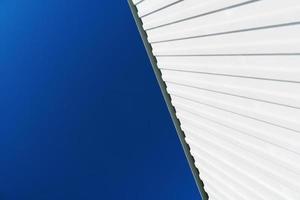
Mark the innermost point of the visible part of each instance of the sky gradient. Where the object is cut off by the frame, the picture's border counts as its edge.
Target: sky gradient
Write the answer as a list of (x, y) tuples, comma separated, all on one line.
[(81, 113)]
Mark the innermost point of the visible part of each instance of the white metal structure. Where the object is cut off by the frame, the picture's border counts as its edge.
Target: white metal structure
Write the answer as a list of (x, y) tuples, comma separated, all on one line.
[(232, 69)]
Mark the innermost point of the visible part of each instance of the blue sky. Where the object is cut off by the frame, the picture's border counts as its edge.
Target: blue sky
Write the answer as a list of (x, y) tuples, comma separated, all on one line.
[(81, 114)]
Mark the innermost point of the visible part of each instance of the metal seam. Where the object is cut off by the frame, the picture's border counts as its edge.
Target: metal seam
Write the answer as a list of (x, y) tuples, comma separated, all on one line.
[(203, 14), (167, 97)]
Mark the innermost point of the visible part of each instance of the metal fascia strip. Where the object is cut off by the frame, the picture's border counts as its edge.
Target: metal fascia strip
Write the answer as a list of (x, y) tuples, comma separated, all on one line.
[(167, 98)]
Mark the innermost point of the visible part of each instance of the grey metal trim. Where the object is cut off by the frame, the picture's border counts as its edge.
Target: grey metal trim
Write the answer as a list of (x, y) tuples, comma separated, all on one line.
[(167, 98)]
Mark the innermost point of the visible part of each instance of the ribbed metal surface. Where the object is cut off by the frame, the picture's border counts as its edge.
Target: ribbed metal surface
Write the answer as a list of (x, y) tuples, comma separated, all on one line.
[(232, 69)]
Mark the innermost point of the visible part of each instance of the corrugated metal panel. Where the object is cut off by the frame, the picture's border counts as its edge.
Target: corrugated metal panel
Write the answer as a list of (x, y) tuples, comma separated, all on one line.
[(232, 70)]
